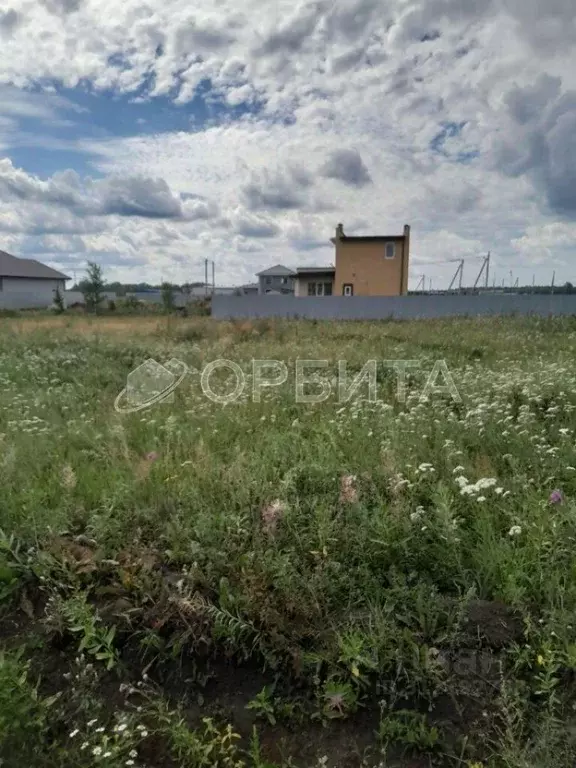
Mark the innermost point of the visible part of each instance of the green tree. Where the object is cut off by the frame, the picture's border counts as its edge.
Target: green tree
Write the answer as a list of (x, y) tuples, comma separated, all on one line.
[(93, 287), (167, 292), (59, 301)]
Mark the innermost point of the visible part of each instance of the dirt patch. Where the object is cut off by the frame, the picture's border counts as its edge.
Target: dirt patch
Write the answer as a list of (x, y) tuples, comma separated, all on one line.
[(491, 624)]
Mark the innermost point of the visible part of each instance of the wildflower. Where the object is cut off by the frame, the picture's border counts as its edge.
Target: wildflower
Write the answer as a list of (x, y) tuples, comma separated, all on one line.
[(99, 730), (107, 754), (481, 499), (84, 745), (74, 733), (97, 751), (556, 497), (132, 753), (348, 491), (152, 456), (144, 734), (516, 530), (457, 469), (90, 723), (129, 762)]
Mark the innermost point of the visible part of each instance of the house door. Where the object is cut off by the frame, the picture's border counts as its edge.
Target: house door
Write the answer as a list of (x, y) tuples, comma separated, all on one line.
[(348, 289)]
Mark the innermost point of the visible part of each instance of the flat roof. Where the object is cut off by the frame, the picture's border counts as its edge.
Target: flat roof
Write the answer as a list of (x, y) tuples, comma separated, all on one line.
[(368, 238), (314, 270)]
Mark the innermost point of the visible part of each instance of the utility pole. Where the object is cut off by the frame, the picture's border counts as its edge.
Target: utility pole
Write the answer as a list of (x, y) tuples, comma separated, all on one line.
[(553, 280), (487, 268), (422, 283), (213, 282), (206, 277)]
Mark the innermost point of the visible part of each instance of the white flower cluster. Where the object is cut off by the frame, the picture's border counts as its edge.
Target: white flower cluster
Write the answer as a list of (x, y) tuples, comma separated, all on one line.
[(475, 489)]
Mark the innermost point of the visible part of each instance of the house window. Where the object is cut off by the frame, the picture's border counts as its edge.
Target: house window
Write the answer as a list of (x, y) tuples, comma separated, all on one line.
[(348, 289), (268, 281), (1, 286), (284, 280), (319, 289), (390, 250)]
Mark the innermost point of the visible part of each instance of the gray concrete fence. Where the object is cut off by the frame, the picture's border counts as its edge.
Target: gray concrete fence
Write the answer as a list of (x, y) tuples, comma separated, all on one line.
[(393, 307)]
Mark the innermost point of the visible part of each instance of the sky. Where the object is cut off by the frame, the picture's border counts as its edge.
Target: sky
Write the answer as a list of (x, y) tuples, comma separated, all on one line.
[(150, 135)]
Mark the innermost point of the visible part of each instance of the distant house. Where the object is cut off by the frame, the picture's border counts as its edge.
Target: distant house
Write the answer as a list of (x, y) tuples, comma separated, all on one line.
[(314, 281), (374, 265), (249, 289), (27, 282), (277, 279)]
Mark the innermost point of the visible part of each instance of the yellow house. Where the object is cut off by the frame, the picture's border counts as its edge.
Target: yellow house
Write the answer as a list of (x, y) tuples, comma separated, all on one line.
[(371, 266)]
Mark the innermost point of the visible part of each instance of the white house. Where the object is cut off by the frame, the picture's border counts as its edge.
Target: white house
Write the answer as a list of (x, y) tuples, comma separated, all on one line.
[(27, 283)]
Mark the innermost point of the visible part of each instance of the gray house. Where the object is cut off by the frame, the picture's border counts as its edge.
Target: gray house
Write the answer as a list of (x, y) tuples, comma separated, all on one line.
[(26, 283), (277, 279)]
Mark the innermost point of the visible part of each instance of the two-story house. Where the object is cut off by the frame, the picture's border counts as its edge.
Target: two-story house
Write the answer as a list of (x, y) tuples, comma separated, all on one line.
[(373, 265), (277, 279)]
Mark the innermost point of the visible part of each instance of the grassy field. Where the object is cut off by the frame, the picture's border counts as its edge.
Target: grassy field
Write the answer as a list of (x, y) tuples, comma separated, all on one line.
[(277, 583)]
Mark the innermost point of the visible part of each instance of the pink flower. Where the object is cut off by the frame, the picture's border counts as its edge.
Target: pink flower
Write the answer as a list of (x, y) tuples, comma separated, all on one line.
[(556, 497), (152, 456)]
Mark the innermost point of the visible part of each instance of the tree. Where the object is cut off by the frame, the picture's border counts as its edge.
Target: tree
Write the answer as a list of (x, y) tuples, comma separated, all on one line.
[(59, 301), (167, 291), (93, 287)]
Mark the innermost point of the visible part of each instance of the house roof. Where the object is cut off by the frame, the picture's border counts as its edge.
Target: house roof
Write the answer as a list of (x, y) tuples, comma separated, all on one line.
[(10, 266), (368, 238), (277, 271), (315, 270)]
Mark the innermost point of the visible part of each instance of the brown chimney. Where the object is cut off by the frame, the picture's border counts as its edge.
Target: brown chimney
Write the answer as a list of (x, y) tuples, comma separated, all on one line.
[(339, 231)]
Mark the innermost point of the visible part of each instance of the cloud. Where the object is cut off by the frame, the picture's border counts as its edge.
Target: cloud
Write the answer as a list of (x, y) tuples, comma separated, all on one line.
[(541, 141), (289, 36), (9, 20), (249, 225), (62, 6), (347, 166), (138, 195), (280, 190)]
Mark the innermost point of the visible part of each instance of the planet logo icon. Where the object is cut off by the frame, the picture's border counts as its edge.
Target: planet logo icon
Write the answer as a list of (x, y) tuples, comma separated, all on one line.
[(149, 384)]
